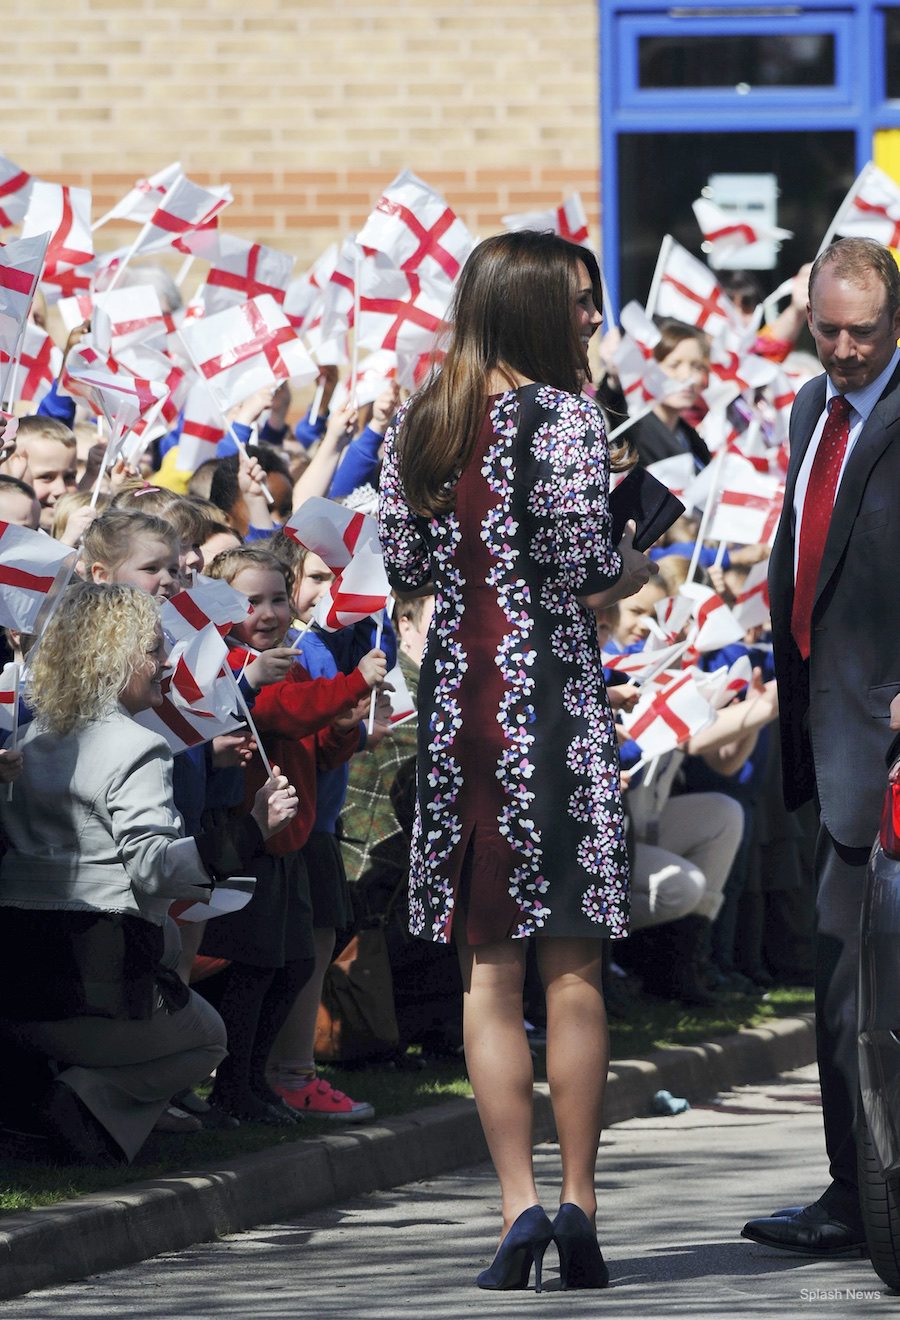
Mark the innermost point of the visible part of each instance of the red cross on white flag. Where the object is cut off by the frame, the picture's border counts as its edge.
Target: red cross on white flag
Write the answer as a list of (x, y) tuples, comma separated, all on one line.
[(142, 200), (871, 208), (196, 665), (733, 371), (304, 295), (33, 568), (20, 269), (751, 607), (359, 590), (208, 601), (242, 270), (413, 226), (184, 726), (339, 290), (149, 363), (569, 220), (39, 364), (373, 374), (667, 716), (331, 531), (727, 232), (398, 311), (66, 213), (246, 348), (715, 625), (108, 386), (202, 427), (725, 683), (185, 209), (688, 291), (676, 472), (15, 191), (123, 317)]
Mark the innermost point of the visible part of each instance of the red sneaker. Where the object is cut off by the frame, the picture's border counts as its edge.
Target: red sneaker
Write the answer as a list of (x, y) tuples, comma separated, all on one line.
[(319, 1099)]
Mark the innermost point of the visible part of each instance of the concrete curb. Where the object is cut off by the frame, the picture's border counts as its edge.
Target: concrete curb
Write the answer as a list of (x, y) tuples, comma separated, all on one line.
[(107, 1230)]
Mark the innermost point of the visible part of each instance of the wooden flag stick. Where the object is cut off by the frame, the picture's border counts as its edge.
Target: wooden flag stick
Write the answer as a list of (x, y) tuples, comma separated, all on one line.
[(245, 711), (385, 614)]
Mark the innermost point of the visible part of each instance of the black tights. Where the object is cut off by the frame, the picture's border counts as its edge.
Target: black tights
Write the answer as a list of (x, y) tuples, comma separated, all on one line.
[(254, 1007)]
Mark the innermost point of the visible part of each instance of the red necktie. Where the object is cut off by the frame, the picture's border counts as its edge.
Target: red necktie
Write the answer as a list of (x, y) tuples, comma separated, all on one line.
[(817, 508)]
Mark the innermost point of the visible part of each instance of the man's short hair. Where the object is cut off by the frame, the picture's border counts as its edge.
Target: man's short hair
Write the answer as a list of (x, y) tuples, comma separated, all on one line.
[(853, 259)]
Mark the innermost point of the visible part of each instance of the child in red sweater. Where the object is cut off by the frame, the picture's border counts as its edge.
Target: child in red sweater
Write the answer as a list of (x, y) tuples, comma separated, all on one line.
[(302, 722)]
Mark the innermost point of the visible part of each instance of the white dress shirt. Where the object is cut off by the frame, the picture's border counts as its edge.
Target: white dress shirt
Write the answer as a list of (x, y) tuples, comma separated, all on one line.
[(861, 404)]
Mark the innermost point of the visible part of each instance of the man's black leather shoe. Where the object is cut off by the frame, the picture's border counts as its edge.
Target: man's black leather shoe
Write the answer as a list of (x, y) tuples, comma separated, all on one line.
[(810, 1232)]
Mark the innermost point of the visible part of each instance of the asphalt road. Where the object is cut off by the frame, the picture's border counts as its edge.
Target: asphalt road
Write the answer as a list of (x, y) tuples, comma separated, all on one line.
[(674, 1194)]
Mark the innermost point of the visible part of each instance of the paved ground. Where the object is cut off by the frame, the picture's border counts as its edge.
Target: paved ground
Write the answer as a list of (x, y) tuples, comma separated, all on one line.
[(675, 1192)]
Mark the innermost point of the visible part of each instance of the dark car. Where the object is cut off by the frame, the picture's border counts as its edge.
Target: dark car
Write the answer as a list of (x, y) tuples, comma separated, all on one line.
[(879, 1042)]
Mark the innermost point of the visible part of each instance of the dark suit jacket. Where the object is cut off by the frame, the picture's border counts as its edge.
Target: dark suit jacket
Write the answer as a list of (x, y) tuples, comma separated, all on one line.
[(834, 710)]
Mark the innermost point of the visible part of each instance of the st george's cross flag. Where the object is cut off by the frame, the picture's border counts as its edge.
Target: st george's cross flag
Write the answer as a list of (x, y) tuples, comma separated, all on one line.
[(33, 568), (14, 714), (246, 348), (400, 312), (148, 363), (109, 387), (241, 270), (21, 262), (303, 297), (676, 472), (724, 684), (39, 365), (688, 291), (714, 624), (185, 727), (336, 313), (871, 209), (208, 601), (667, 716), (122, 317), (373, 375), (331, 531), (15, 191), (569, 220), (184, 210), (751, 606), (728, 232), (733, 372), (359, 590), (197, 682), (413, 226), (637, 663), (66, 213), (396, 689), (202, 427), (748, 514), (141, 201)]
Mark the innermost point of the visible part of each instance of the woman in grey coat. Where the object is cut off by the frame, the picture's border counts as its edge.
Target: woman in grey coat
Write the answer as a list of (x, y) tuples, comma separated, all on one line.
[(95, 857)]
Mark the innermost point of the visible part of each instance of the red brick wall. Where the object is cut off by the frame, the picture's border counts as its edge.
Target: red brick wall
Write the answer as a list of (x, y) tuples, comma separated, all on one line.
[(307, 109)]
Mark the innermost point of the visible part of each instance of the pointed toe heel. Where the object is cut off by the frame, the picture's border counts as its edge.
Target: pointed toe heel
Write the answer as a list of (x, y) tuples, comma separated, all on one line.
[(523, 1246), (581, 1263)]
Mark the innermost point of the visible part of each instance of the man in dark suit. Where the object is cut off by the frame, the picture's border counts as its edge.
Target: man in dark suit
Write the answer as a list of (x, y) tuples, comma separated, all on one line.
[(835, 593)]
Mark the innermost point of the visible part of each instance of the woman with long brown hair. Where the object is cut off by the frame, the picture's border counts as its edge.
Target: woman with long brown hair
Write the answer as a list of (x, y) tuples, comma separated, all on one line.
[(495, 487)]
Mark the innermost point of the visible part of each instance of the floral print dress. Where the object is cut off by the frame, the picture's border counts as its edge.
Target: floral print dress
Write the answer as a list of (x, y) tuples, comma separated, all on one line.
[(519, 820)]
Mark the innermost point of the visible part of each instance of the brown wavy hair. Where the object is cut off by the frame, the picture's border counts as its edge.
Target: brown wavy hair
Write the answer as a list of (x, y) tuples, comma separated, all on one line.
[(512, 313)]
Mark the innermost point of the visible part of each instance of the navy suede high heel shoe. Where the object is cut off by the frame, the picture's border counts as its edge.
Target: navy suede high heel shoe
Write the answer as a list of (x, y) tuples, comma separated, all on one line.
[(581, 1263), (524, 1245)]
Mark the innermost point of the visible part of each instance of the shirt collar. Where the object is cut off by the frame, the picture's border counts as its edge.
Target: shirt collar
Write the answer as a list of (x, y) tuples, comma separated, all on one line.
[(864, 400)]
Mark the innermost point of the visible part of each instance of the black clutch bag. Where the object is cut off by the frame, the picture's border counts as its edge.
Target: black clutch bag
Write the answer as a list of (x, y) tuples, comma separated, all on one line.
[(645, 499)]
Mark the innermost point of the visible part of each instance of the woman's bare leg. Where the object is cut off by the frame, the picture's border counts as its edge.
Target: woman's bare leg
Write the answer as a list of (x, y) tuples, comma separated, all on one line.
[(577, 1058), (499, 1064)]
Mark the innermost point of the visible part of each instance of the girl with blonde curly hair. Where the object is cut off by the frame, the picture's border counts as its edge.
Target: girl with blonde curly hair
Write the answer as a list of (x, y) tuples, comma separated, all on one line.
[(96, 856)]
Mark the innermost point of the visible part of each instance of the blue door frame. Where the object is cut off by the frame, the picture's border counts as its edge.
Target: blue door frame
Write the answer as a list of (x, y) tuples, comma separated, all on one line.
[(855, 101)]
